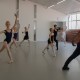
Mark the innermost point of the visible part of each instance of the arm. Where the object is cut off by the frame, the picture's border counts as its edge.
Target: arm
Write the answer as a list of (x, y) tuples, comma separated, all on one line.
[(15, 21), (24, 32), (28, 26), (55, 29), (2, 32)]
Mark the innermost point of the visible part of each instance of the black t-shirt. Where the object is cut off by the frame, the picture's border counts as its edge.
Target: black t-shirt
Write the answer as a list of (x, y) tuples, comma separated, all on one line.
[(55, 33)]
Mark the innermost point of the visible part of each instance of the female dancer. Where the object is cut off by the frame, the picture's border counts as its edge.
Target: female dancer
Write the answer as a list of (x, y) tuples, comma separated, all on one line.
[(75, 54), (15, 33), (8, 34), (50, 41), (63, 35), (26, 37)]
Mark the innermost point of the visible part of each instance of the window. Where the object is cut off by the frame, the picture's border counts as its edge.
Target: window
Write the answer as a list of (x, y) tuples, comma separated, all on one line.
[(74, 21), (70, 17), (73, 24), (78, 16), (74, 17), (78, 24)]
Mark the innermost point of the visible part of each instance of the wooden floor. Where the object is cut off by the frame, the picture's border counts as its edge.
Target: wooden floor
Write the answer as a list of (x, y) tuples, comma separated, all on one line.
[(29, 64)]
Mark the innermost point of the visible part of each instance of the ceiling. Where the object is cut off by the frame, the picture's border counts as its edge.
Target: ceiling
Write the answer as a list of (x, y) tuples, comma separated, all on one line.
[(67, 7), (46, 3)]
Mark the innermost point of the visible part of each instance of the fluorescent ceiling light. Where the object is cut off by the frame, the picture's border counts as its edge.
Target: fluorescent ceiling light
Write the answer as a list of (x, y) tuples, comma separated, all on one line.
[(61, 2), (51, 6), (57, 3)]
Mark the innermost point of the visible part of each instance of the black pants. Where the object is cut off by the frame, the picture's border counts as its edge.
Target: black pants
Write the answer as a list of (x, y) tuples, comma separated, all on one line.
[(56, 42), (73, 56)]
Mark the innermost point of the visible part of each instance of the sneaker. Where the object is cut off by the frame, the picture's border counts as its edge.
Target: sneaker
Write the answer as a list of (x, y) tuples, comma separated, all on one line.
[(65, 68)]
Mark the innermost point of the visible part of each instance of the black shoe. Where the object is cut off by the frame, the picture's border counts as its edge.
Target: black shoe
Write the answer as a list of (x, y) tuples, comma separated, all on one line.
[(65, 68)]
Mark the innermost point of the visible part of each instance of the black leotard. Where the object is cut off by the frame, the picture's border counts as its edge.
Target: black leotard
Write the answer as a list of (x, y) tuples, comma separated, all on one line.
[(55, 33), (52, 38), (15, 36), (8, 36), (26, 37)]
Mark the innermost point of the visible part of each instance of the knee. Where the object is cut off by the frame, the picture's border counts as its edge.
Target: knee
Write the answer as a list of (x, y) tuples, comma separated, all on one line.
[(5, 44)]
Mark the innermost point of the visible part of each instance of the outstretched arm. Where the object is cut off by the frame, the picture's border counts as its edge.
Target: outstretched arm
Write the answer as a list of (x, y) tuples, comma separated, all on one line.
[(2, 32), (28, 26), (15, 21)]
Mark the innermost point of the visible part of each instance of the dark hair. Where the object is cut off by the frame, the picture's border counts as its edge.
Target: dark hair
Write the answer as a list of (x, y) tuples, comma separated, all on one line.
[(55, 25), (50, 29)]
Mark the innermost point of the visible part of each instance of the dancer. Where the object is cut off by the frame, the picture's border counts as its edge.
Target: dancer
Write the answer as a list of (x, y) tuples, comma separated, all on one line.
[(63, 35), (55, 35), (15, 32), (8, 34), (75, 54), (26, 37), (50, 41)]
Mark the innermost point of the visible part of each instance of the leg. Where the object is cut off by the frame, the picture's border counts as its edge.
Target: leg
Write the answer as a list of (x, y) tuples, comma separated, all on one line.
[(64, 42), (29, 41), (3, 47), (21, 42), (9, 52), (52, 48), (56, 42), (63, 39), (11, 44), (14, 41), (73, 56), (45, 48)]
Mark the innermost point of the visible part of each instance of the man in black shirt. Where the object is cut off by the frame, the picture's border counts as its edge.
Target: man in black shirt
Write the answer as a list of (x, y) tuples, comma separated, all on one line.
[(55, 35)]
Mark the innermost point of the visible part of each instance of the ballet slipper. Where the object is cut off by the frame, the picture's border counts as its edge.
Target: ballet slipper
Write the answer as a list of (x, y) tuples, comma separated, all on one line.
[(43, 53), (54, 55), (10, 62)]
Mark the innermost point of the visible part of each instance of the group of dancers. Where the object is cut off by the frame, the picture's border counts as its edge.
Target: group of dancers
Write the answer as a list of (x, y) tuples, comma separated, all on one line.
[(7, 44), (53, 36)]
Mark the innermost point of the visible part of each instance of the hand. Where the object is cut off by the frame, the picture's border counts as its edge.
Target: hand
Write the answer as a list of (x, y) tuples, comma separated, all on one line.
[(29, 26), (16, 15)]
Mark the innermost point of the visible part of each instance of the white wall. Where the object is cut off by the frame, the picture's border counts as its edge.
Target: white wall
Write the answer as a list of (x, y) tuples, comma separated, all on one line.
[(7, 10), (44, 17)]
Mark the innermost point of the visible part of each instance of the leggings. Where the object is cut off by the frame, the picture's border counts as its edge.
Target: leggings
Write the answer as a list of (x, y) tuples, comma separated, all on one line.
[(56, 42), (75, 54)]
